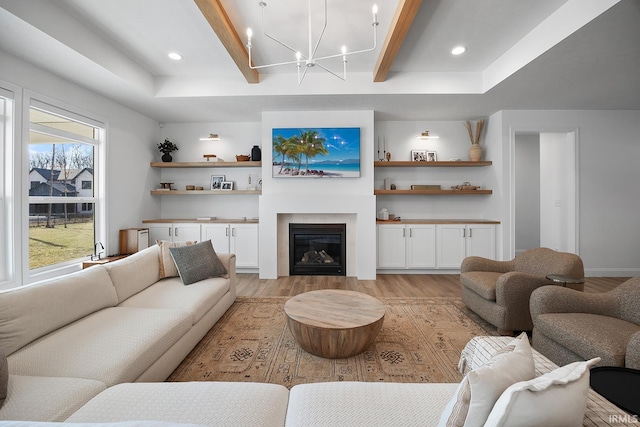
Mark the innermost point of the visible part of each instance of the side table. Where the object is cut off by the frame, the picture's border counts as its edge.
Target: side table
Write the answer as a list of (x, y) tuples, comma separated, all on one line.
[(618, 385), (567, 281)]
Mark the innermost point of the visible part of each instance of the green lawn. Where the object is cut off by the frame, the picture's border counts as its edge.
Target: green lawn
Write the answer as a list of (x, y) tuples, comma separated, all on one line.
[(48, 246)]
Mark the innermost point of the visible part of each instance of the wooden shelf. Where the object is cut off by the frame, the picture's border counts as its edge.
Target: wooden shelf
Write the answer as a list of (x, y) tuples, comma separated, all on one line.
[(431, 192), (206, 164), (202, 192), (410, 164)]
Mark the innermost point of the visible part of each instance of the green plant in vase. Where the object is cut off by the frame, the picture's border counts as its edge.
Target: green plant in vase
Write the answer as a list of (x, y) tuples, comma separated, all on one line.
[(166, 148)]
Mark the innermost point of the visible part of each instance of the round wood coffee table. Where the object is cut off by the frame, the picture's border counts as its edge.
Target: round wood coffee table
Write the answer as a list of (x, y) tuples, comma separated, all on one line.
[(334, 323)]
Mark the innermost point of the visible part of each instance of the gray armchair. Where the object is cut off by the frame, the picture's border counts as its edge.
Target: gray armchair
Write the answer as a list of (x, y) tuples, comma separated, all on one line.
[(571, 326), (499, 291)]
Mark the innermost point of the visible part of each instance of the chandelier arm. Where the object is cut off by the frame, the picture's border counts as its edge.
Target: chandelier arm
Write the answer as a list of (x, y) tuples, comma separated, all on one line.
[(344, 78), (301, 76), (278, 41), (324, 27)]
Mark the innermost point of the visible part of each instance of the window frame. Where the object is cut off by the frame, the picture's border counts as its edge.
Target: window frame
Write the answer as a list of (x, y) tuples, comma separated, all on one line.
[(9, 235), (43, 103)]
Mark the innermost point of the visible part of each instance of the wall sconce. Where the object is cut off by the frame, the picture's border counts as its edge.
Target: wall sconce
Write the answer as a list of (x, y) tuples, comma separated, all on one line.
[(425, 135), (211, 137)]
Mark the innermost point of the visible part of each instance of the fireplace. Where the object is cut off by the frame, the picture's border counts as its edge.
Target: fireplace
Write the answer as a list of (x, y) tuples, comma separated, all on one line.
[(317, 249)]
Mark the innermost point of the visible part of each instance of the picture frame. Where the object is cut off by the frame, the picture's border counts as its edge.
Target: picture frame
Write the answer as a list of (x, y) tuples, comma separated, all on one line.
[(226, 185), (432, 156), (216, 182), (418, 155)]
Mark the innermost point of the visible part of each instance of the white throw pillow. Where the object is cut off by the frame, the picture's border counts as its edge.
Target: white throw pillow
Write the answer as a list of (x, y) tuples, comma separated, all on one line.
[(481, 388), (558, 398)]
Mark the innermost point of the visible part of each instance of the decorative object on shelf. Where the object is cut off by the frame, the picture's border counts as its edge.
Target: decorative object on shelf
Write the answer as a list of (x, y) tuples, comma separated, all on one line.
[(426, 187), (199, 188), (388, 156), (387, 183), (216, 182), (393, 186), (455, 159), (383, 214), (165, 185), (166, 148), (190, 187), (256, 154), (425, 135), (465, 186), (431, 156), (209, 156), (211, 137), (418, 155), (309, 61), (251, 186), (384, 148), (242, 158), (475, 152), (226, 185)]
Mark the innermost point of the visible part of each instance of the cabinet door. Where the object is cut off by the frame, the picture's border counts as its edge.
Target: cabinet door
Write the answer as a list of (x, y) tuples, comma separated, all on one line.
[(481, 240), (421, 245), (219, 236), (183, 232), (391, 246), (244, 243), (162, 231), (451, 248)]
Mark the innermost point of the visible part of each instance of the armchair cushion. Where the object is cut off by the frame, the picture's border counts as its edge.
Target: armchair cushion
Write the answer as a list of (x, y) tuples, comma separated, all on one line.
[(481, 282)]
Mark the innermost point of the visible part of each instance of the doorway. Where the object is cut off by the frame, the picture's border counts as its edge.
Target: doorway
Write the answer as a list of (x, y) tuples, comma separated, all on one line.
[(545, 193)]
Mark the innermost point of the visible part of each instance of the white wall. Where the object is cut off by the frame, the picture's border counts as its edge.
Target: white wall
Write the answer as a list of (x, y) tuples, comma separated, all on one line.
[(527, 192), (608, 210), (131, 141)]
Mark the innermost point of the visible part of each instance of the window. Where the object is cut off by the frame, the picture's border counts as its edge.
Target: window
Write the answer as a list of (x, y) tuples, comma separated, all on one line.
[(7, 267), (63, 219)]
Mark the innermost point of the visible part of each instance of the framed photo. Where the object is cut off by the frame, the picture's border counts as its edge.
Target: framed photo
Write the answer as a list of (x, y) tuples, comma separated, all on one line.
[(431, 156), (226, 185), (419, 155), (216, 182)]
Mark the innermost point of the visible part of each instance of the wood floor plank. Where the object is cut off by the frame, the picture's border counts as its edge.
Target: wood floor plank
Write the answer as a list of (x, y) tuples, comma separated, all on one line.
[(385, 285)]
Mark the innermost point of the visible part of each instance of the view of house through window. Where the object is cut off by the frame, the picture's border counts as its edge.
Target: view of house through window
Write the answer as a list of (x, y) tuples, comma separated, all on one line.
[(61, 191)]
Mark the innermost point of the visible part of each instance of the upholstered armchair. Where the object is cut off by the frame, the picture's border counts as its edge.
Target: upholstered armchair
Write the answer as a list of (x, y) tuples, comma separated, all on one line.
[(499, 291), (571, 326)]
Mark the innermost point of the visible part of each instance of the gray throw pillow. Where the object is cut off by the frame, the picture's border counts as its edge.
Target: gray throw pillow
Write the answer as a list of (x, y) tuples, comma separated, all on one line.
[(4, 377), (197, 262)]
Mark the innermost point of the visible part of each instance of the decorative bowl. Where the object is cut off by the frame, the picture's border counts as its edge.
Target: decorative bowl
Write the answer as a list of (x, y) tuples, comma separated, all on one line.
[(242, 158)]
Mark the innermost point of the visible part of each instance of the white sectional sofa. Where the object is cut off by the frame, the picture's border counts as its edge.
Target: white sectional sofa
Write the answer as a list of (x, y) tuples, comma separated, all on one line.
[(90, 349), (70, 338)]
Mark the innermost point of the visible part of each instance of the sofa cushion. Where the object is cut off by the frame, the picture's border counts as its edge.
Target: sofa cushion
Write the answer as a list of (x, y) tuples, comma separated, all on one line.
[(136, 272), (197, 262), (558, 398), (4, 377), (589, 335), (113, 345), (346, 403), (35, 398), (167, 266), (89, 424), (31, 311), (210, 403), (481, 282), (196, 299), (481, 388)]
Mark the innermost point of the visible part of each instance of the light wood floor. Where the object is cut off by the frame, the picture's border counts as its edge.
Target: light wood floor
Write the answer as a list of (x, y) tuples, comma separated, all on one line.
[(385, 285)]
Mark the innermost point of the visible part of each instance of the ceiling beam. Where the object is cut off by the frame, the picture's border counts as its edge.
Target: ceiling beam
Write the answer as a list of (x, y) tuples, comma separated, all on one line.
[(402, 20), (221, 24)]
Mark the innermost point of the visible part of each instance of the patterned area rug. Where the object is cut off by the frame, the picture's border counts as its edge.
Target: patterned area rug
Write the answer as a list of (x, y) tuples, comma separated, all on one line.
[(420, 341)]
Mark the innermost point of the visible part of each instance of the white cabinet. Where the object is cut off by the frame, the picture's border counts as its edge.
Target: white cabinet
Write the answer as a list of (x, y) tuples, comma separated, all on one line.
[(406, 246), (457, 241), (237, 238), (173, 232)]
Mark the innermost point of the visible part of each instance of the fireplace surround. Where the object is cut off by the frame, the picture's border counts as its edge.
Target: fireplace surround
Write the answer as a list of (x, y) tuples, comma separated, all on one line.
[(317, 249)]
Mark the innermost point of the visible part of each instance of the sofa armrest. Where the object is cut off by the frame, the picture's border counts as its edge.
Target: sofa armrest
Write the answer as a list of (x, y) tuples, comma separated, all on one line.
[(557, 299), (514, 287), (229, 263), (632, 355), (476, 263)]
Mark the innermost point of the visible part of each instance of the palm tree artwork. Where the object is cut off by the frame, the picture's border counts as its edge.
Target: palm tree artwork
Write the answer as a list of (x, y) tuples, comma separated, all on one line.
[(316, 152)]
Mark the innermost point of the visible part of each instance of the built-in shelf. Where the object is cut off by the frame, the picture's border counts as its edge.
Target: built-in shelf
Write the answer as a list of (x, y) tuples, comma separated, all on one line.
[(202, 192), (410, 164), (206, 164), (431, 192)]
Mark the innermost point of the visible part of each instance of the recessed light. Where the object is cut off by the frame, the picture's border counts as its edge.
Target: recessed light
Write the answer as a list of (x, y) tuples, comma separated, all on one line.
[(175, 56), (458, 50)]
